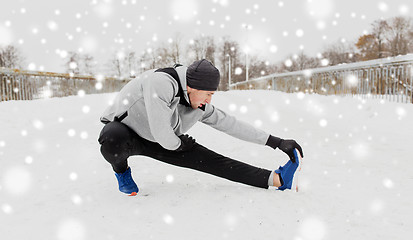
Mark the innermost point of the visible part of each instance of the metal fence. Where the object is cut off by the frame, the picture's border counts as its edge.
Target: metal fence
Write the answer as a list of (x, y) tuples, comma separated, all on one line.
[(389, 78), (28, 85)]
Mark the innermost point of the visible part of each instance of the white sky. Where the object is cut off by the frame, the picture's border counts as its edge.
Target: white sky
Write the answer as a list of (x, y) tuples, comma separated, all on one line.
[(44, 29)]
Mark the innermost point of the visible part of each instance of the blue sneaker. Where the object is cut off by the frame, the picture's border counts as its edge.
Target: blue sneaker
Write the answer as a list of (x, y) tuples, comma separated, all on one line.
[(126, 183), (287, 172)]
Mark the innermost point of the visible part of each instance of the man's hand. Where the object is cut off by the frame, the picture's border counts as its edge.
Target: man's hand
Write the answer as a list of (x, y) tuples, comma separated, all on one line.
[(187, 142), (286, 146)]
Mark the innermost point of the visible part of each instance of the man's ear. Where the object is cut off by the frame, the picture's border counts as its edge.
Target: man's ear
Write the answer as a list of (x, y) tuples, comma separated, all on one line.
[(190, 90)]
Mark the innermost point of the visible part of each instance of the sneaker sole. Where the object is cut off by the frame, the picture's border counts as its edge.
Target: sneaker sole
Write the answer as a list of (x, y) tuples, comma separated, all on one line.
[(295, 183)]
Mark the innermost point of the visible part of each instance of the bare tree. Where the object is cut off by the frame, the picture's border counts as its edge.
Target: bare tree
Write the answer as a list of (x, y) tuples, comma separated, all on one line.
[(124, 64), (131, 62), (88, 65), (167, 55), (77, 63), (340, 52), (257, 67), (155, 58), (380, 27), (164, 55), (10, 57), (410, 42), (202, 47), (229, 53), (72, 63), (175, 50), (117, 66), (299, 62), (398, 35), (149, 59)]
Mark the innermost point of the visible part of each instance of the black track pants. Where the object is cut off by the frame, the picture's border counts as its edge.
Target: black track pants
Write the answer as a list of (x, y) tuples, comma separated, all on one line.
[(118, 142)]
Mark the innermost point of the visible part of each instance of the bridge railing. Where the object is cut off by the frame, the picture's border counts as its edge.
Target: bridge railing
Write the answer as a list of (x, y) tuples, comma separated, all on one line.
[(389, 78), (28, 85)]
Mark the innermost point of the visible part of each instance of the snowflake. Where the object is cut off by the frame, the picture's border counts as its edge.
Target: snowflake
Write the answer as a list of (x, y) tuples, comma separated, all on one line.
[(168, 219), (17, 180), (169, 178), (71, 132), (299, 33), (85, 109)]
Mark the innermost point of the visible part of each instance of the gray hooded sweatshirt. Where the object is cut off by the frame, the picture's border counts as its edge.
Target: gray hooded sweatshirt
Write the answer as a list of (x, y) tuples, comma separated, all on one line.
[(153, 111)]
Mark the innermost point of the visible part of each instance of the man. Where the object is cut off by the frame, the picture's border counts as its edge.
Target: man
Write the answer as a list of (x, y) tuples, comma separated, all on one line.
[(152, 112)]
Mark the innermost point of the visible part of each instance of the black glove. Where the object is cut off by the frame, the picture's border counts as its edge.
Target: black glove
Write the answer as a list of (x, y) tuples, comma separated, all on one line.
[(286, 146), (187, 142)]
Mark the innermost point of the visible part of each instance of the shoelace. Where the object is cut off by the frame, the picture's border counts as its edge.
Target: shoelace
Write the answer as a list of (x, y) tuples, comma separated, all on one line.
[(126, 178)]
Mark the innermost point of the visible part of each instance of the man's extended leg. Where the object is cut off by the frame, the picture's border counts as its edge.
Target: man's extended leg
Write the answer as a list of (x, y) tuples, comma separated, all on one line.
[(202, 159), (119, 142)]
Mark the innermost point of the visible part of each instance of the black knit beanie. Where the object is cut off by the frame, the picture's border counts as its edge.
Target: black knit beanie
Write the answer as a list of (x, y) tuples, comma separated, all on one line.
[(202, 75)]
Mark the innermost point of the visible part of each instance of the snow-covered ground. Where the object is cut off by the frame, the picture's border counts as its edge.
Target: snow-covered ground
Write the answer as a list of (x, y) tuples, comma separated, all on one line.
[(356, 182)]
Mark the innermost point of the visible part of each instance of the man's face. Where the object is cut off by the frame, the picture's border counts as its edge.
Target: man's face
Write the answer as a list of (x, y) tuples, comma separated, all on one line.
[(197, 98)]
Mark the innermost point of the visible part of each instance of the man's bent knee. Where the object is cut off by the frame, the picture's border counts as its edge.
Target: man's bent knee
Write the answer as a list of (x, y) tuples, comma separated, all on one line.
[(119, 141)]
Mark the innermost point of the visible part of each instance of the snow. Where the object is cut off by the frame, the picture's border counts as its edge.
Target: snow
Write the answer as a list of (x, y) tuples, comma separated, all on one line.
[(356, 180)]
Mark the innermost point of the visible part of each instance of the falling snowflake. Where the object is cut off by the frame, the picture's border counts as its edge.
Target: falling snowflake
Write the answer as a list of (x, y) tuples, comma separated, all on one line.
[(85, 109), (168, 219), (388, 183), (76, 199), (258, 123), (73, 176), (275, 117), (38, 124), (383, 6), (169, 178), (7, 209), (300, 95), (243, 109), (401, 112), (288, 63), (404, 10), (98, 86), (352, 80), (81, 93), (84, 135), (71, 132), (232, 107), (31, 66), (321, 25), (323, 123), (28, 160), (52, 25), (376, 206), (17, 180), (324, 62), (299, 33)]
